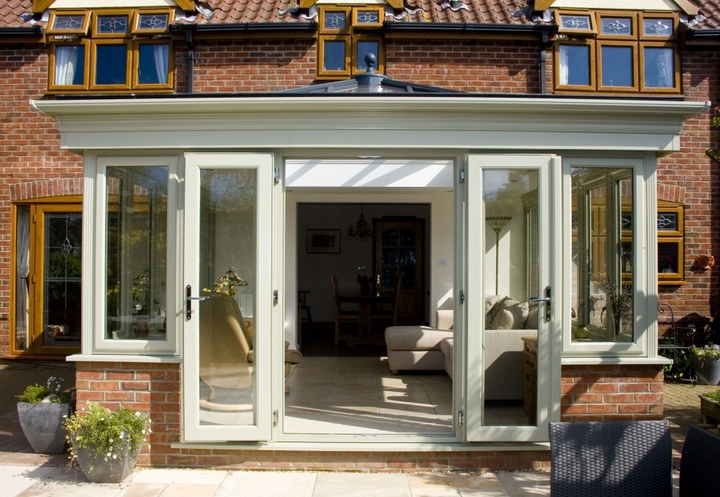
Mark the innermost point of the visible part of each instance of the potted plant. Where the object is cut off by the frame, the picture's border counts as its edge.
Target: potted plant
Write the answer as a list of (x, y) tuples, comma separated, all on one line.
[(106, 443), (706, 362), (710, 407), (42, 411)]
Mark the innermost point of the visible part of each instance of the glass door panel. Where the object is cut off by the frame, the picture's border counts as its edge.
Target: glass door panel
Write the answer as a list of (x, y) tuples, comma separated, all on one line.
[(227, 326), (510, 296)]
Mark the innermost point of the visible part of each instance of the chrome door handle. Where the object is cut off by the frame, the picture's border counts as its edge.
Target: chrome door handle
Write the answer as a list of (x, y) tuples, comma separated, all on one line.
[(188, 301), (547, 300)]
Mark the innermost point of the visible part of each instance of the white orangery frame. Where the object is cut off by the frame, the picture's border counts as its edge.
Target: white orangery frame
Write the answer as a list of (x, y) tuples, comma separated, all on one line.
[(391, 126)]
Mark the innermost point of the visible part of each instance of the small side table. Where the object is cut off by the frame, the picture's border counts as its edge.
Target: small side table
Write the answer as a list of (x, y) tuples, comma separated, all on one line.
[(530, 377)]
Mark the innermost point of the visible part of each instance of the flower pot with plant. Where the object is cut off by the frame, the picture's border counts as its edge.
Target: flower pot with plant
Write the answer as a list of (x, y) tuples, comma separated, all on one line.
[(710, 407), (106, 443), (42, 411), (706, 362)]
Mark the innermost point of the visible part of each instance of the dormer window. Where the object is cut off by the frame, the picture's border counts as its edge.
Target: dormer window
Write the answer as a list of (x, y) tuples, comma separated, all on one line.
[(346, 36), (617, 51), (110, 51)]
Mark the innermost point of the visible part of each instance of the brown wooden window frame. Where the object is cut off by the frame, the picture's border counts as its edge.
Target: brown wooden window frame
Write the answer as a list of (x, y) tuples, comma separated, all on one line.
[(354, 32), (133, 38), (638, 40)]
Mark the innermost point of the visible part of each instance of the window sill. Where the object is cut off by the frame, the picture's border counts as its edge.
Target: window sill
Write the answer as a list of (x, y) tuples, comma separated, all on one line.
[(158, 359)]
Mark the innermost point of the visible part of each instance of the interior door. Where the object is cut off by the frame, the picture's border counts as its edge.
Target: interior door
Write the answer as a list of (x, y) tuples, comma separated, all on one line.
[(513, 295), (228, 296)]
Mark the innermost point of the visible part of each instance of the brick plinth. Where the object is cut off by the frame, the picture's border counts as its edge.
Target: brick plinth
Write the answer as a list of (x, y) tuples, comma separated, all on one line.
[(607, 393), (612, 393)]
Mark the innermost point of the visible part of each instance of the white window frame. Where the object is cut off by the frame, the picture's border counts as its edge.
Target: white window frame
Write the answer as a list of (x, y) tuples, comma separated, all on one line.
[(94, 341), (644, 233)]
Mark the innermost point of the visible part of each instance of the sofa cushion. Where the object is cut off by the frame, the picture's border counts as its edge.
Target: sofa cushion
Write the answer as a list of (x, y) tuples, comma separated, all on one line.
[(508, 314), (414, 337)]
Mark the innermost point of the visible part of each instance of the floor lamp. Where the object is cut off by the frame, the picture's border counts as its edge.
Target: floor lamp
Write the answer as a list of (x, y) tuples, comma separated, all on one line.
[(497, 223)]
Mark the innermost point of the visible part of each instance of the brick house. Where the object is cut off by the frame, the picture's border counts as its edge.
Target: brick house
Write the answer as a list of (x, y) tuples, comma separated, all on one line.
[(536, 173)]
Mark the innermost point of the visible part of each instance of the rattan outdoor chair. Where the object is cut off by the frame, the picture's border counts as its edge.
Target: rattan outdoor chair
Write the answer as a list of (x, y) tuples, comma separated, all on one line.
[(614, 459), (700, 464)]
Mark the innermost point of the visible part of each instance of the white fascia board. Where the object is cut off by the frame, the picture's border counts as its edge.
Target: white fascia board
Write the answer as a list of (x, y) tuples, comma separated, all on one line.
[(420, 122)]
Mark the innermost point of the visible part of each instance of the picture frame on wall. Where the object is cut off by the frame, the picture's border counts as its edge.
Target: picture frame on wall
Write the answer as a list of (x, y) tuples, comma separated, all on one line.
[(322, 241)]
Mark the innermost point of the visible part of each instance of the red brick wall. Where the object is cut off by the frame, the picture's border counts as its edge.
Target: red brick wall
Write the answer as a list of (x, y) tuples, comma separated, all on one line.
[(476, 66), (589, 393), (694, 180), (32, 163), (611, 393)]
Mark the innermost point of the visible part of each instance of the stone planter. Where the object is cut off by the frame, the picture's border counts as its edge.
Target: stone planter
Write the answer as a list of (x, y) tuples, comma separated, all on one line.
[(42, 425), (707, 370), (98, 469), (710, 410)]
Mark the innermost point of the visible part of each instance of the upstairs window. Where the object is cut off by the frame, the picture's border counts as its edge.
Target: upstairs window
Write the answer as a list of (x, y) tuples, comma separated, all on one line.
[(110, 51), (613, 52), (346, 36)]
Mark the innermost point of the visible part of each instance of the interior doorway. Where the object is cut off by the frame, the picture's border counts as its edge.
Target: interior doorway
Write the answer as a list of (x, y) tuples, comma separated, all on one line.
[(347, 388)]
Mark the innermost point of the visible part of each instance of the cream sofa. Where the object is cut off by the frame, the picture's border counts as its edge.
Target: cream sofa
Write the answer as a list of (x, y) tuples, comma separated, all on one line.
[(431, 349)]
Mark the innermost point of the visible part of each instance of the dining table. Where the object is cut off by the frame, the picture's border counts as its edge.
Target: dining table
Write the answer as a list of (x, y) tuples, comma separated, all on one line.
[(367, 304)]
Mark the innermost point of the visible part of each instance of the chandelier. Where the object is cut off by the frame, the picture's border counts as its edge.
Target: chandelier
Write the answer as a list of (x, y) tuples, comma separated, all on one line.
[(361, 230)]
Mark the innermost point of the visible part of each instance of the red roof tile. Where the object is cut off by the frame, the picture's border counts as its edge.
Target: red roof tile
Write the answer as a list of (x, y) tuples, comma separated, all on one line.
[(416, 11)]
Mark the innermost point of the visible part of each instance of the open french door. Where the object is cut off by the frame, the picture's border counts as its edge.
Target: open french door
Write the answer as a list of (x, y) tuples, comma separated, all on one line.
[(513, 295), (228, 296)]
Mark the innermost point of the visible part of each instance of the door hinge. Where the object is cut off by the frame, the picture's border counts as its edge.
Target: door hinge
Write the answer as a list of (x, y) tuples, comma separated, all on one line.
[(276, 296), (275, 417), (276, 175), (462, 297), (461, 418), (462, 176)]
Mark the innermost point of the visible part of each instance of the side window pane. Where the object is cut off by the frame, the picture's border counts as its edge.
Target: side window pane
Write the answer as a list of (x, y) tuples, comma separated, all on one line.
[(136, 248), (111, 65), (153, 64), (575, 65), (364, 48), (334, 56), (602, 248), (69, 65), (617, 66), (22, 277), (658, 27), (659, 68)]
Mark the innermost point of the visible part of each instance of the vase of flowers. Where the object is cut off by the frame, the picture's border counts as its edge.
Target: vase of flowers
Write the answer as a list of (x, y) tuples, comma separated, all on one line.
[(706, 362), (365, 285), (42, 410), (106, 443)]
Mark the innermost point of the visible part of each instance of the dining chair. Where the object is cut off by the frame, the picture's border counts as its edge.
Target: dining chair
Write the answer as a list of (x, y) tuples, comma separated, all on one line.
[(610, 459), (342, 314), (700, 464), (388, 311)]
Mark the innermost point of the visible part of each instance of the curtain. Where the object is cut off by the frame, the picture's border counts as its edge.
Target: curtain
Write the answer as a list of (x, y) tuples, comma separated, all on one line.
[(564, 64), (665, 68), (22, 268), (65, 64), (160, 53)]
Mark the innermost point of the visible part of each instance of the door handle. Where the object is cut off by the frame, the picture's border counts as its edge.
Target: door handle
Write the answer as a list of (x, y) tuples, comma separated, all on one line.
[(547, 300), (188, 301)]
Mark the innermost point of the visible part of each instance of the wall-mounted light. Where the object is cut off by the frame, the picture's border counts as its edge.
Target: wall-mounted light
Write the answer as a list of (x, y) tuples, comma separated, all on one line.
[(705, 261)]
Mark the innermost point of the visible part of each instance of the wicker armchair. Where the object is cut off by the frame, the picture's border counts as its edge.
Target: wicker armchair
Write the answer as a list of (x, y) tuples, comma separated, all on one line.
[(700, 464), (619, 458)]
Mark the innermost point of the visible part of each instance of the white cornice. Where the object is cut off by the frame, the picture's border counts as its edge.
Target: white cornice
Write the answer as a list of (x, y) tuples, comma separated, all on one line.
[(439, 122)]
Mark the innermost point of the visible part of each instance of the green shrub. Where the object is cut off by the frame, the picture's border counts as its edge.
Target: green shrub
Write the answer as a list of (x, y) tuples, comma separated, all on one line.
[(36, 393)]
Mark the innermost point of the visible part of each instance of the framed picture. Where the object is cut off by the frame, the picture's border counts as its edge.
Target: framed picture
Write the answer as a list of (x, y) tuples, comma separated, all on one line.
[(322, 242)]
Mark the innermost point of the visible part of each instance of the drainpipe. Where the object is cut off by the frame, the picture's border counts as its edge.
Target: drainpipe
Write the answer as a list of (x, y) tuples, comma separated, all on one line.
[(190, 59), (544, 45)]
